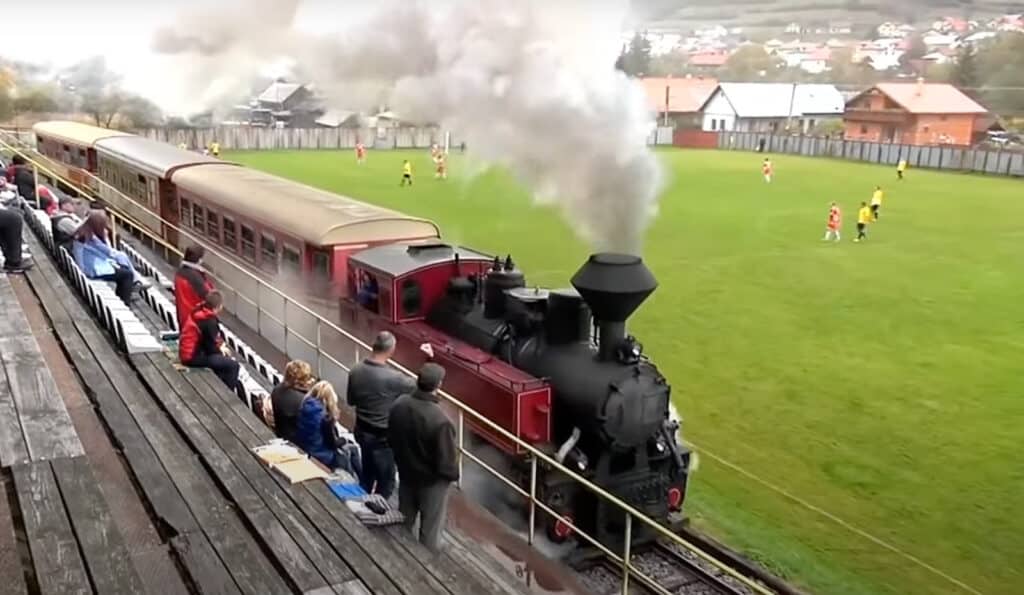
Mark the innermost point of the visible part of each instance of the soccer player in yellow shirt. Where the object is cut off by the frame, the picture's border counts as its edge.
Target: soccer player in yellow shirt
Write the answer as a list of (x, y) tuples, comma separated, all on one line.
[(863, 218), (406, 173), (900, 168), (876, 202)]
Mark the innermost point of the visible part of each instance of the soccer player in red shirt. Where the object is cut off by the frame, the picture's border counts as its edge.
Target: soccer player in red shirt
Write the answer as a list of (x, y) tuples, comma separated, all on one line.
[(835, 222), (766, 169), (360, 153)]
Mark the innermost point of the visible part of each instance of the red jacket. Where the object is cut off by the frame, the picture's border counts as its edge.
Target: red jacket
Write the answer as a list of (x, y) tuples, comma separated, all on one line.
[(190, 289), (200, 336)]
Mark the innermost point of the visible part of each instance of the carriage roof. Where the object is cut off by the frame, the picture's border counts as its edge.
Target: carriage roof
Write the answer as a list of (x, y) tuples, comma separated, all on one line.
[(75, 133), (315, 216), (150, 156)]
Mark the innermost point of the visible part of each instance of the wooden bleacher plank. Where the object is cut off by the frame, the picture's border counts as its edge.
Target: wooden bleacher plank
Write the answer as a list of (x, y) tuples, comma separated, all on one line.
[(204, 566), (455, 578), (77, 331), (154, 481), (333, 568), (10, 560), (12, 440), (384, 570), (12, 447), (55, 556), (300, 568), (106, 557), (241, 555), (45, 422), (150, 557)]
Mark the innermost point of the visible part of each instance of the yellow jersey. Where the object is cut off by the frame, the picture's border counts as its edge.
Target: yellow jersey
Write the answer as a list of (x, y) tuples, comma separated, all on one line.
[(407, 169), (864, 215), (876, 198), (215, 148), (902, 165)]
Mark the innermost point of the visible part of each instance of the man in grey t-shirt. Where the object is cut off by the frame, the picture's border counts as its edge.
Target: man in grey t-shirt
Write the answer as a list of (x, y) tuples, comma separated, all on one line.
[(373, 386)]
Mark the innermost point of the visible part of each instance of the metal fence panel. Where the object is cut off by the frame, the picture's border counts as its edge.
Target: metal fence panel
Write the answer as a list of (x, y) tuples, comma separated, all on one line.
[(874, 151), (1017, 164)]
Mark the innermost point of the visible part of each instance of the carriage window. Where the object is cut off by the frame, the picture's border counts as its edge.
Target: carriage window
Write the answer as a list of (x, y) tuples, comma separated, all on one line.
[(229, 235), (186, 213), (198, 218), (248, 243), (212, 225), (268, 249), (321, 264), (291, 258), (412, 298)]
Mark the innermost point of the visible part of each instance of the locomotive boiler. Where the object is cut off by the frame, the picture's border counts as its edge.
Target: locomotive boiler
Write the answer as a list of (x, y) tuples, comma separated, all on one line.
[(610, 404)]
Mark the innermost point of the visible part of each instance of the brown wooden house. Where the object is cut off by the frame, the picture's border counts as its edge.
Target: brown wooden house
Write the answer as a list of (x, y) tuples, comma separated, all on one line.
[(913, 113)]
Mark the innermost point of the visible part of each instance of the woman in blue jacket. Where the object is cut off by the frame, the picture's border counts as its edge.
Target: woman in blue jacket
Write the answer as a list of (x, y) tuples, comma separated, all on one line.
[(98, 260), (315, 429)]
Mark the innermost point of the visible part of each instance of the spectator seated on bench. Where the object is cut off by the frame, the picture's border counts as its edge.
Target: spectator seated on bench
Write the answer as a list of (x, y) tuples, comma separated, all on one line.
[(191, 285), (201, 344), (316, 430), (101, 262), (286, 398), (65, 223), (11, 224)]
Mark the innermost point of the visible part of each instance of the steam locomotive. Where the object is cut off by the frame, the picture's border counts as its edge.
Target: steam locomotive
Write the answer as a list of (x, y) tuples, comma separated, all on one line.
[(595, 403)]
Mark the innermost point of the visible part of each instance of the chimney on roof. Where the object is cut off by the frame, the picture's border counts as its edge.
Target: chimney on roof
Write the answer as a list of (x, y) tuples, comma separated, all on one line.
[(920, 86)]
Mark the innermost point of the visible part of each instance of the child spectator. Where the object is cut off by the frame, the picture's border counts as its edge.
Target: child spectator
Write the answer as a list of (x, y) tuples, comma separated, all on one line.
[(315, 430), (201, 344), (191, 285)]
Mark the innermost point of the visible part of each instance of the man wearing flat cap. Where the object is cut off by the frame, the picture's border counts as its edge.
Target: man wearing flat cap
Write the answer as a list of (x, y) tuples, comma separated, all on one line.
[(423, 439)]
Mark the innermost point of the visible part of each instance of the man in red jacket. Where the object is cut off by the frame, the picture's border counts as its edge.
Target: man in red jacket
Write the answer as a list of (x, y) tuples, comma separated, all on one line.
[(191, 285), (201, 344)]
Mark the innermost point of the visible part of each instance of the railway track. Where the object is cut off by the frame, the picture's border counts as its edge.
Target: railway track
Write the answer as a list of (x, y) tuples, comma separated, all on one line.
[(673, 569)]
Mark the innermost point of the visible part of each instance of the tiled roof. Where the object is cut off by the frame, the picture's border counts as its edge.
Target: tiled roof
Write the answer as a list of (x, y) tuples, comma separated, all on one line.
[(931, 98), (685, 95)]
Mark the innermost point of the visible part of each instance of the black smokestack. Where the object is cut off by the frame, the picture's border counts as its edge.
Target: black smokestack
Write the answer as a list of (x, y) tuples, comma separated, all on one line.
[(613, 285)]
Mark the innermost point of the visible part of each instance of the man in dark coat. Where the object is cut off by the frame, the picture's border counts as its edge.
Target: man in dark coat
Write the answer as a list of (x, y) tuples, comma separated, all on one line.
[(423, 440)]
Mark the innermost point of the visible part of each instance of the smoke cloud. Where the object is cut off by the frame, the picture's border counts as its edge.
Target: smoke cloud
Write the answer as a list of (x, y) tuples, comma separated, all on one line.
[(530, 85)]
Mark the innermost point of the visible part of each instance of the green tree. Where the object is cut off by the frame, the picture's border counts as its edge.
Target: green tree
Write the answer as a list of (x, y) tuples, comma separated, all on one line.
[(916, 51), (6, 84), (36, 99), (674, 63), (751, 63), (98, 93), (1000, 68), (965, 71), (635, 59)]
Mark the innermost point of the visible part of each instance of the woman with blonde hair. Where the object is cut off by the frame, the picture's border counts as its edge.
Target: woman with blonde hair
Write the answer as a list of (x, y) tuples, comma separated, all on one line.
[(315, 432), (286, 398)]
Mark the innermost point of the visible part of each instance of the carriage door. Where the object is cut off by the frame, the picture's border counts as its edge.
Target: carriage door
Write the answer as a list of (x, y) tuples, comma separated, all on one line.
[(169, 211)]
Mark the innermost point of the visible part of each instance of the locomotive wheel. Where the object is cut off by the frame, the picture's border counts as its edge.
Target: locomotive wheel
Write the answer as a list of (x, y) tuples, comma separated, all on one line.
[(557, 530)]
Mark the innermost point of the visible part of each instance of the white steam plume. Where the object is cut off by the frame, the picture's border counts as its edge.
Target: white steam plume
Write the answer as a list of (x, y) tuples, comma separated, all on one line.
[(529, 84)]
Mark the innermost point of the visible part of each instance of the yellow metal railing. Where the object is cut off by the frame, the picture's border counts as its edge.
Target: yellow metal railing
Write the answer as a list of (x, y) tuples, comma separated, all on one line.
[(623, 559)]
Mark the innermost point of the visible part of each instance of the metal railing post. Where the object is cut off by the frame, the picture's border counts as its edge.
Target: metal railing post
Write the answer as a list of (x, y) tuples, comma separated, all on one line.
[(461, 431), (626, 553), (533, 500), (319, 355), (35, 180)]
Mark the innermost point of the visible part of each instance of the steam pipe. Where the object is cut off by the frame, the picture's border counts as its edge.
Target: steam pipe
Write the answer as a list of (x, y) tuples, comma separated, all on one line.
[(568, 445)]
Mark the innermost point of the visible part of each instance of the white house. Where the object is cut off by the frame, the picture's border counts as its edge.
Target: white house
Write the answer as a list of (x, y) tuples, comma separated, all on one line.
[(771, 107)]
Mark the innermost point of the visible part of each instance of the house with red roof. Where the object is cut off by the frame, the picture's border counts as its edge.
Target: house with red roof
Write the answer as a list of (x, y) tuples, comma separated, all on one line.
[(913, 113), (678, 100)]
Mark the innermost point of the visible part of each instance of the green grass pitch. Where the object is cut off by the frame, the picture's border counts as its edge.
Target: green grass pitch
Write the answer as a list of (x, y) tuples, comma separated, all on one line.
[(881, 381)]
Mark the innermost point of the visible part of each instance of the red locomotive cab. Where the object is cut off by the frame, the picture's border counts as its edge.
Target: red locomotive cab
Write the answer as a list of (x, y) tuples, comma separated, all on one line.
[(394, 287)]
